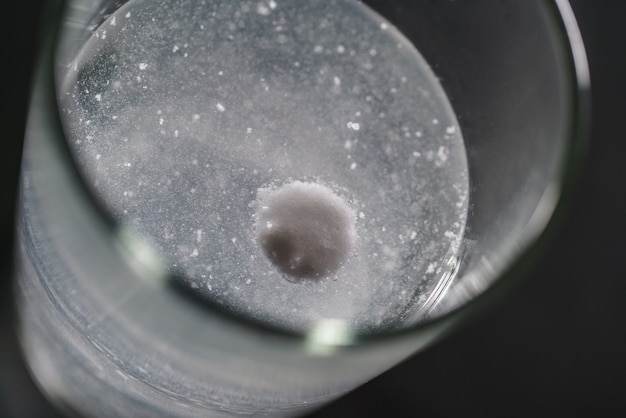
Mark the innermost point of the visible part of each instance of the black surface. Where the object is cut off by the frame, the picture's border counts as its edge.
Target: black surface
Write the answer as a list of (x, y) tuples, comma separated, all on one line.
[(554, 347)]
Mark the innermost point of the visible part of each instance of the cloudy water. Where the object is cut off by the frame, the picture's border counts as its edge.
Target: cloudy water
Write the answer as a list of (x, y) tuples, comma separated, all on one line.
[(182, 115)]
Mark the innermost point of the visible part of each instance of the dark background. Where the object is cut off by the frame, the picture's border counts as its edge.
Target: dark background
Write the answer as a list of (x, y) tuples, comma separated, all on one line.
[(554, 347)]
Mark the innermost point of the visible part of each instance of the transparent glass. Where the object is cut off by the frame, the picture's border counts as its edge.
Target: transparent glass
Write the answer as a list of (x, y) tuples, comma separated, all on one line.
[(449, 131)]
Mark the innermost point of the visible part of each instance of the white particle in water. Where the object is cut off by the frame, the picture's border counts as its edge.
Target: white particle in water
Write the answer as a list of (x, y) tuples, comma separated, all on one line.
[(272, 4), (195, 117), (175, 48), (98, 97), (143, 65), (127, 15), (337, 81), (355, 126), (161, 120), (194, 253), (318, 49), (113, 21), (442, 155), (262, 9), (451, 129), (312, 229), (220, 107), (341, 49), (352, 166), (384, 26), (435, 121), (413, 235)]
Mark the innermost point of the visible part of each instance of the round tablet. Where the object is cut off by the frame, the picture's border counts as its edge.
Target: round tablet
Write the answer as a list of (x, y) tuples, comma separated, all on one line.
[(304, 229)]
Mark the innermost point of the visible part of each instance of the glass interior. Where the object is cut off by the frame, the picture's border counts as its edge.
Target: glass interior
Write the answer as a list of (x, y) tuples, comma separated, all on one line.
[(449, 147)]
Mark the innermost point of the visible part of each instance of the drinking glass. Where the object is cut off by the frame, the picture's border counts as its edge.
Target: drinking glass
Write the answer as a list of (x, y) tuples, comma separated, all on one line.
[(251, 208)]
